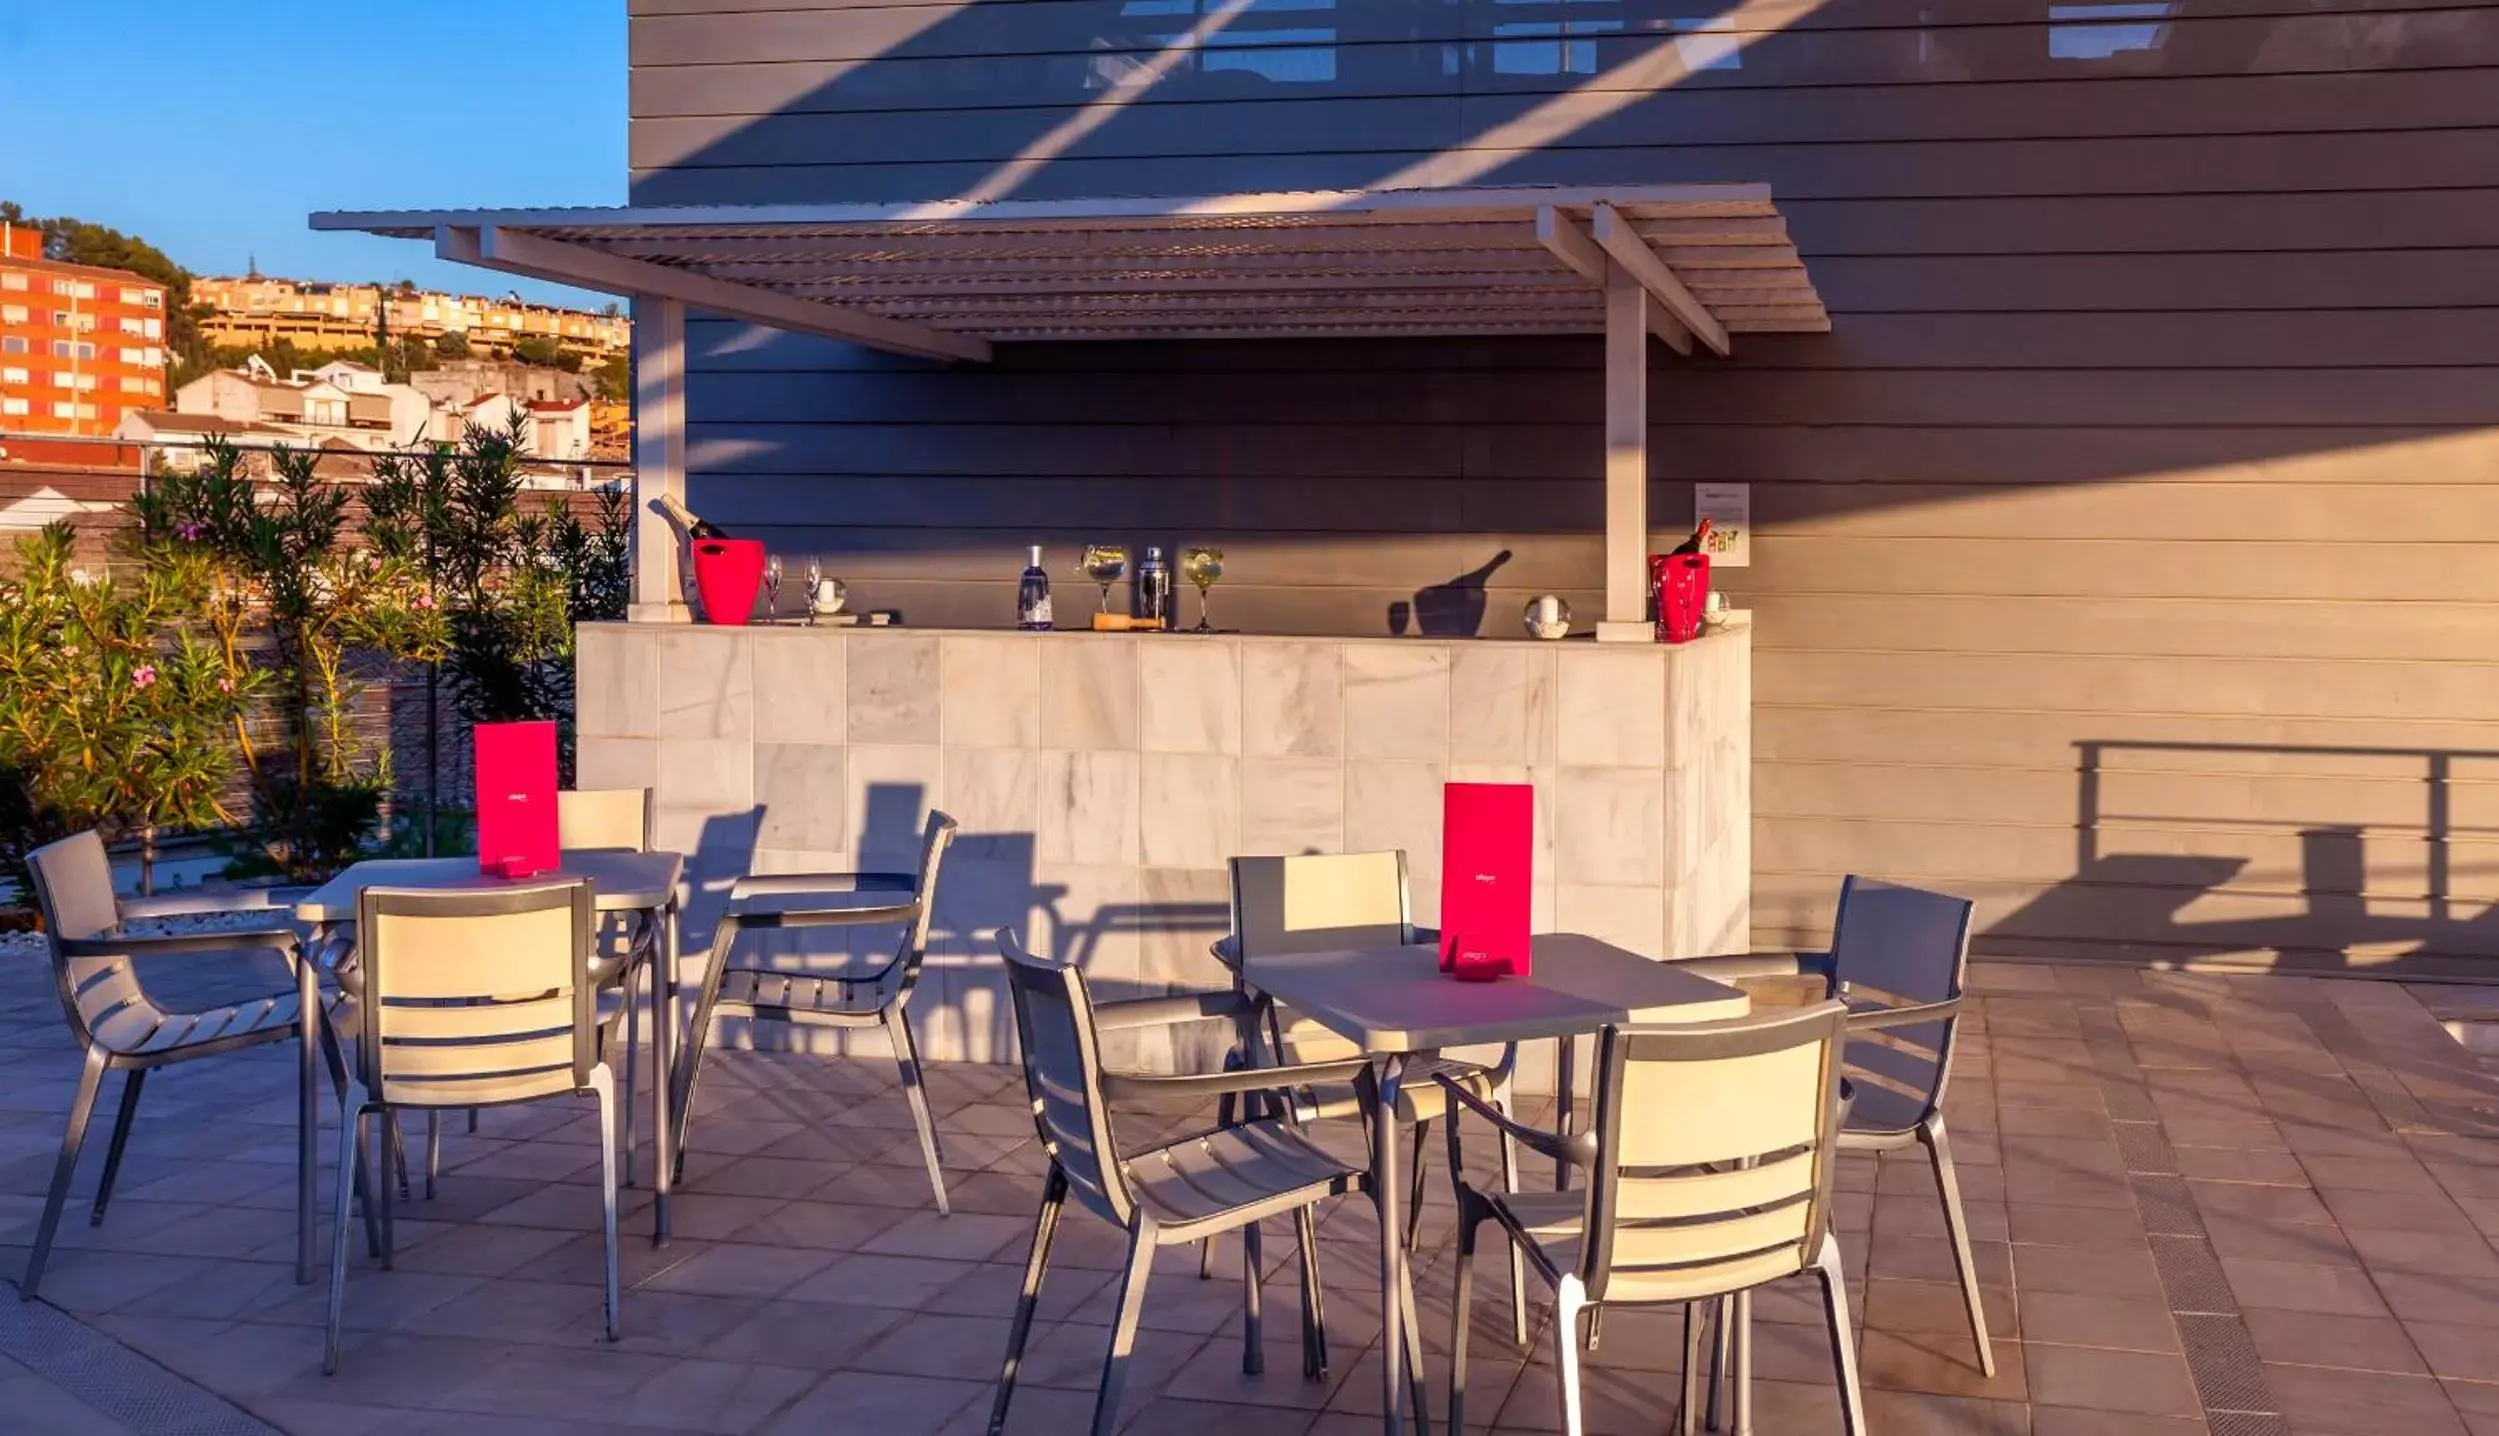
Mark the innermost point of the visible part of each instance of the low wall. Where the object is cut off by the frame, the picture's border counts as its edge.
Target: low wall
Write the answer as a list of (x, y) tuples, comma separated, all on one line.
[(1102, 780)]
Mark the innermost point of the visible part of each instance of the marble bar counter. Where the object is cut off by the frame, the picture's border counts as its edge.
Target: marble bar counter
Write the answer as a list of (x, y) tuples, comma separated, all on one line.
[(1101, 780)]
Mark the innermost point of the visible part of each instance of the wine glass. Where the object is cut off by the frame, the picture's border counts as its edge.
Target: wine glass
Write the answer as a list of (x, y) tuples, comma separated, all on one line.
[(772, 587), (1202, 566), (815, 585), (1104, 563)]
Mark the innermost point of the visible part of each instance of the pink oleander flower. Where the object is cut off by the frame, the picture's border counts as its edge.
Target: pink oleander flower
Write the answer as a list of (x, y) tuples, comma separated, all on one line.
[(143, 675), (225, 685), (190, 531), (425, 602)]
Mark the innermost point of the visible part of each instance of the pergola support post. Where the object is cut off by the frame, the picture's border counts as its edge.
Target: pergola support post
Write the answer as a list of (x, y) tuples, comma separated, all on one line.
[(659, 365), (1627, 322)]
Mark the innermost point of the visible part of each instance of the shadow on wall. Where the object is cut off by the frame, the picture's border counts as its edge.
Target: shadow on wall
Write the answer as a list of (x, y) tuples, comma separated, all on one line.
[(1448, 610), (2312, 894), (988, 882)]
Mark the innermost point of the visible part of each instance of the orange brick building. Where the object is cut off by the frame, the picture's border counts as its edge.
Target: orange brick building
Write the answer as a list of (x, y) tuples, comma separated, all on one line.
[(78, 345)]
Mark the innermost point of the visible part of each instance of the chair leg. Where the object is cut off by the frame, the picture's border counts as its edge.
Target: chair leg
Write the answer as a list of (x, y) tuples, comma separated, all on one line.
[(1253, 1331), (1124, 1331), (603, 1087), (1414, 1200), (633, 1041), (1045, 1226), (1568, 1299), (1721, 1357), (1742, 1338), (1843, 1337), (433, 1151), (1314, 1303), (1509, 1183), (1939, 1150), (1462, 1304), (81, 1112), (399, 1157), (351, 1120), (385, 1153), (1695, 1332), (1226, 1110), (130, 1086), (1414, 1355), (907, 1057)]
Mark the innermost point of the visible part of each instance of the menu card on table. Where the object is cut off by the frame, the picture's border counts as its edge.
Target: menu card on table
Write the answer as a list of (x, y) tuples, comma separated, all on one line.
[(1488, 834), (516, 832)]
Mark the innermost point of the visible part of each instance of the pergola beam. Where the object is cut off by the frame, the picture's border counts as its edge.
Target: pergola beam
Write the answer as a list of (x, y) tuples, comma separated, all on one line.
[(1615, 236), (1591, 262), (513, 252)]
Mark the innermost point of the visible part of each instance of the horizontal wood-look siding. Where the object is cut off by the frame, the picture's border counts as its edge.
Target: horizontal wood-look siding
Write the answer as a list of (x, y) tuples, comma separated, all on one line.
[(2124, 553)]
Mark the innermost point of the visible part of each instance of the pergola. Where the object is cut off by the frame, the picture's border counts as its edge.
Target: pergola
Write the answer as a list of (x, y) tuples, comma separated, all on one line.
[(1692, 265)]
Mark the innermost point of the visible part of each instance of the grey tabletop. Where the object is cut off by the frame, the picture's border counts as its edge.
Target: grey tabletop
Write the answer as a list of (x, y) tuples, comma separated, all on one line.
[(621, 881), (1392, 1000)]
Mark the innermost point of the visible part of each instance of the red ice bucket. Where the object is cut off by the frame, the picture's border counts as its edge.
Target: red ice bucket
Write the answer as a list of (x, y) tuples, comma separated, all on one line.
[(1679, 582), (728, 573)]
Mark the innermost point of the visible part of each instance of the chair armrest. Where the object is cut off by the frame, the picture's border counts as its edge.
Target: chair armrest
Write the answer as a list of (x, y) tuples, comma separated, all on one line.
[(1734, 967), (1578, 1149), (274, 939), (1169, 1011), (1874, 1019), (1117, 1085), (1226, 950), (776, 884), (797, 899), (210, 903)]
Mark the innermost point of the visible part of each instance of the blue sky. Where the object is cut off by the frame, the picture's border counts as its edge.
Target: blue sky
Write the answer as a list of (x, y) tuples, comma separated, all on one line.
[(212, 127)]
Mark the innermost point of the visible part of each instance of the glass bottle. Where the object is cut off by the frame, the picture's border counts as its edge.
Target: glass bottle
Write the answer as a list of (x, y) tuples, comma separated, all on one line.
[(1154, 589), (1032, 595)]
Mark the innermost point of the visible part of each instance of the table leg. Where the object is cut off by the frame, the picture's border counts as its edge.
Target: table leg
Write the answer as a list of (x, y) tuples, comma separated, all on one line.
[(1388, 1186), (663, 1033), (307, 1102), (1565, 1086)]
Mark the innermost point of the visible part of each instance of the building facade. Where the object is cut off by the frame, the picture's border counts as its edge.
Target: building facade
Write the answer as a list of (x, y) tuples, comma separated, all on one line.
[(2120, 559), (257, 310), (79, 345)]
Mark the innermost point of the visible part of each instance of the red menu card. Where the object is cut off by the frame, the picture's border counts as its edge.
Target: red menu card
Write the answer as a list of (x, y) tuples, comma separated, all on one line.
[(1487, 848), (516, 798)]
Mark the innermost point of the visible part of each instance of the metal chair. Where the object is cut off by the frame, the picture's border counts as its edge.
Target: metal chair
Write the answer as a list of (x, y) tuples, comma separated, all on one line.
[(1710, 1174), (1316, 902), (1898, 958), (470, 999), (1235, 1175), (872, 999), (626, 949), (124, 1029)]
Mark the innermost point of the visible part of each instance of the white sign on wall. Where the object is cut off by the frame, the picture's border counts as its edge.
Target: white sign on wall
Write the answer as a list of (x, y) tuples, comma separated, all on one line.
[(1729, 509)]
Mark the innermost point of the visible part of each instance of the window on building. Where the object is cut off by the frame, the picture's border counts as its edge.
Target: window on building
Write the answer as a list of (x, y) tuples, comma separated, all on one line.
[(150, 299), (15, 406), (60, 286), (133, 384), (61, 348), (64, 409), (153, 328), (132, 324), (138, 297), (12, 313), (14, 344), (13, 376), (83, 351), (12, 280)]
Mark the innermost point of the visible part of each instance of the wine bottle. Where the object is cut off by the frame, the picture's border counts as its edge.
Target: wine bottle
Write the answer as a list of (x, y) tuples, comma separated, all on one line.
[(695, 528), (1032, 595), (1698, 543)]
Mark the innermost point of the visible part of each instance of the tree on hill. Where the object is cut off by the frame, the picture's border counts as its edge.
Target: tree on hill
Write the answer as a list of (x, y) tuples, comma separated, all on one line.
[(540, 350), (75, 241)]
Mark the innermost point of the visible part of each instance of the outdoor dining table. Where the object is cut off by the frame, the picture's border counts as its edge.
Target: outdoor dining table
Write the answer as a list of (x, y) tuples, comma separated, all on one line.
[(621, 881), (1395, 1004)]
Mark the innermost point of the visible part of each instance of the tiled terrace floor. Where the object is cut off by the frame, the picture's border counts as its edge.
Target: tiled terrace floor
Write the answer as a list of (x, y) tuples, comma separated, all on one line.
[(2227, 1204)]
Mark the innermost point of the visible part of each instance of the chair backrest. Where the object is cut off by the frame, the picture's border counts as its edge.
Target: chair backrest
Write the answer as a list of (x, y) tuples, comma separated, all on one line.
[(73, 881), (1895, 945), (1315, 902), (1063, 1074), (611, 818), (476, 996), (935, 838), (1714, 1149)]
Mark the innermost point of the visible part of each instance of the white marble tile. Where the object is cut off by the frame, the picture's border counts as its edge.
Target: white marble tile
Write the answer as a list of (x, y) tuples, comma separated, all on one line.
[(804, 798), (1180, 914), (799, 694), (706, 683), (616, 763), (710, 773), (1189, 809), (994, 793), (1501, 703), (1190, 694), (1612, 705), (1089, 694), (1632, 918), (1396, 700), (1291, 702), (1089, 916), (1089, 808), (1609, 826), (892, 688), (1398, 805), (891, 789), (1292, 805), (990, 690), (616, 679)]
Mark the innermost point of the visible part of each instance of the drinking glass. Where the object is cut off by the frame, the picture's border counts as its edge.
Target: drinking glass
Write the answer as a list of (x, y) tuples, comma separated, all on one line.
[(1104, 563), (772, 587), (1202, 566), (815, 586)]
